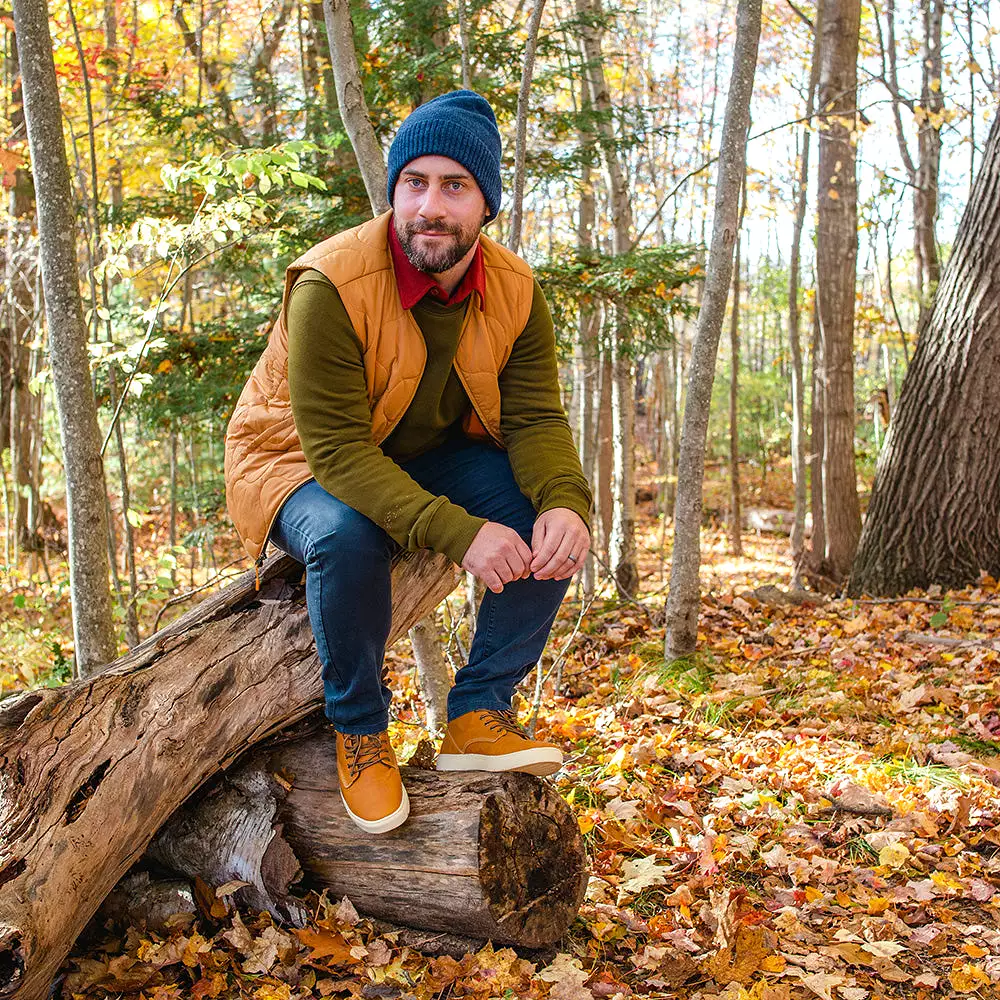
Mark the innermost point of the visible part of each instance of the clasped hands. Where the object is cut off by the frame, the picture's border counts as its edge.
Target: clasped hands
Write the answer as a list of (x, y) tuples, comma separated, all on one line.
[(559, 543)]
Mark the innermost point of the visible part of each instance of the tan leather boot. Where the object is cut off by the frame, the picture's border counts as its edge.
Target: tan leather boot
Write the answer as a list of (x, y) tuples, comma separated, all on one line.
[(370, 784), (491, 740)]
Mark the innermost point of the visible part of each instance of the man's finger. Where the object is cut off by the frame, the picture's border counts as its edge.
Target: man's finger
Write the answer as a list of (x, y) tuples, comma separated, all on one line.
[(555, 562), (549, 546)]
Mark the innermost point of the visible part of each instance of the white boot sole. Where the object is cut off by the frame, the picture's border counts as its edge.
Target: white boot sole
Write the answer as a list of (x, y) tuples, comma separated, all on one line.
[(385, 824), (539, 762)]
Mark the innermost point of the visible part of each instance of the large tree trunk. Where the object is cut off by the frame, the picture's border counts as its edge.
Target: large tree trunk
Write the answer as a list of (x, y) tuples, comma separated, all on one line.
[(936, 502), (489, 856), (132, 742), (836, 257), (93, 627), (685, 596)]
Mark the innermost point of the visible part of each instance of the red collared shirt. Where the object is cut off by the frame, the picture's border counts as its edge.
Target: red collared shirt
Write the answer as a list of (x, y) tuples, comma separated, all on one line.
[(414, 284)]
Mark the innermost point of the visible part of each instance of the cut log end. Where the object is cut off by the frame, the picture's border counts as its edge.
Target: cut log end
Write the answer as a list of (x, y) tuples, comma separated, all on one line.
[(532, 861)]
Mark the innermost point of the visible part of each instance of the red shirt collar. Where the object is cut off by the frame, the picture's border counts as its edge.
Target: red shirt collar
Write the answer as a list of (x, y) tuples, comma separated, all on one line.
[(414, 284)]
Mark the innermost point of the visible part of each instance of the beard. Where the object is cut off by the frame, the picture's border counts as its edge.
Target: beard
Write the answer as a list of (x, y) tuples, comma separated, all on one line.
[(443, 253)]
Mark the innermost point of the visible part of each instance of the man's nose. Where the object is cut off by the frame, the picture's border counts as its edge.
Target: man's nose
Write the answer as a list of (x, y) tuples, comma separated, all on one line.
[(432, 206)]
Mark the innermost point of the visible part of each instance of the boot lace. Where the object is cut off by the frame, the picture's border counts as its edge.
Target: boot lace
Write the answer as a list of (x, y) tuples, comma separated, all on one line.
[(365, 750), (505, 722)]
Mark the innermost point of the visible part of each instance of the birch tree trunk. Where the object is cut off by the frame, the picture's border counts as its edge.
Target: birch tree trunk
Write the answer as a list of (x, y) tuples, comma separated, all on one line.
[(351, 101), (527, 72), (588, 329), (621, 555), (432, 668), (735, 514), (936, 500), (794, 340), (93, 627), (836, 257), (684, 596)]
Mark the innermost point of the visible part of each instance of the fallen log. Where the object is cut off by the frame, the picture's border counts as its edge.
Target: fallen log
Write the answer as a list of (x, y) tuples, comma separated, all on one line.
[(489, 856), (90, 771)]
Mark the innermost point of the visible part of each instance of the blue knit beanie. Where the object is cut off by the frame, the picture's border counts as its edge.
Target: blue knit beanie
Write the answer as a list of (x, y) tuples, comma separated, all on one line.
[(460, 125)]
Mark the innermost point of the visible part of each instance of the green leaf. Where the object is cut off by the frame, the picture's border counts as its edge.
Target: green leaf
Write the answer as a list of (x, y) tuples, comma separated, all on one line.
[(299, 179), (19, 601), (939, 618), (133, 517), (264, 183), (165, 582)]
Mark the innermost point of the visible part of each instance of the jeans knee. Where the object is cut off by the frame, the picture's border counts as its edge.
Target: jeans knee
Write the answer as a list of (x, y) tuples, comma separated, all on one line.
[(352, 537)]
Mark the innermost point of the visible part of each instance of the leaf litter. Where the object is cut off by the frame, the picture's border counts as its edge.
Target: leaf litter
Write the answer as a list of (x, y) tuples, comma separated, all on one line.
[(805, 808)]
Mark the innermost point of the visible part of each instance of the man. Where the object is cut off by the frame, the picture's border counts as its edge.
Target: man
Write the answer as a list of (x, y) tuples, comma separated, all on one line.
[(409, 397)]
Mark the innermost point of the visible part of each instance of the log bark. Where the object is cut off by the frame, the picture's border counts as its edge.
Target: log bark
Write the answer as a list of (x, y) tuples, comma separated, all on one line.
[(488, 856), (134, 741), (936, 500)]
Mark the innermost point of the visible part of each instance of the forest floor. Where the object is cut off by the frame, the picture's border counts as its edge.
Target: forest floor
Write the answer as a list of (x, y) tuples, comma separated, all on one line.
[(806, 808)]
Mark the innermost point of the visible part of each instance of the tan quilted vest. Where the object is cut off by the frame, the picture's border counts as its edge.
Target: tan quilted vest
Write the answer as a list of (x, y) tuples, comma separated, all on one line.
[(264, 461)]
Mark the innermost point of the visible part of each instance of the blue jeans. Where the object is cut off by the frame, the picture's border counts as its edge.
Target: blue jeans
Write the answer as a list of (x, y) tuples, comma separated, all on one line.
[(348, 559)]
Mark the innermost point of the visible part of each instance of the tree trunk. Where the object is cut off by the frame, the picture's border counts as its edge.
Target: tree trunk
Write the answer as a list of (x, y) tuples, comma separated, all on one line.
[(490, 856), (735, 514), (588, 329), (836, 256), (794, 340), (936, 501), (817, 428), (432, 670), (521, 131), (132, 742), (93, 627), (351, 101), (684, 596), (621, 548), (925, 194), (922, 173)]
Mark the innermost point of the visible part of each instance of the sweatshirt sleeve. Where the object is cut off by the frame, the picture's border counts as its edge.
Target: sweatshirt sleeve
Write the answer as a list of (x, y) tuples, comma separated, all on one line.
[(326, 384), (533, 422)]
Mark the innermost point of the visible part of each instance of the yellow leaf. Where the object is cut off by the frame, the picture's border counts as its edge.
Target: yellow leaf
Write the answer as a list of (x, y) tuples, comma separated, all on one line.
[(832, 195), (164, 366), (966, 978), (974, 951), (894, 855)]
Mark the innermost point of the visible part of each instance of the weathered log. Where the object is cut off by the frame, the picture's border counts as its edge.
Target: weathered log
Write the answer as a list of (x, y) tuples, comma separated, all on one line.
[(486, 856), (90, 771)]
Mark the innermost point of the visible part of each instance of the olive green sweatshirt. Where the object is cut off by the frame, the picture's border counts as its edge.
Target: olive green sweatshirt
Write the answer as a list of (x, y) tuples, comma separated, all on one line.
[(326, 383)]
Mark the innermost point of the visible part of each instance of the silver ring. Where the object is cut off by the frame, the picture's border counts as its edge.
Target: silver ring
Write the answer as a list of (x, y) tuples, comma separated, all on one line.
[(571, 558)]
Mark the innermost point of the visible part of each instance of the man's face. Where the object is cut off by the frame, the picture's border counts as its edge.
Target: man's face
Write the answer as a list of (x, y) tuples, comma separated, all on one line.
[(438, 211)]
